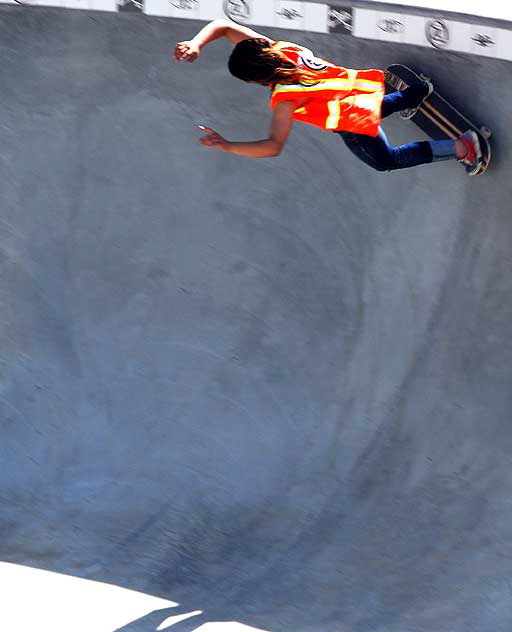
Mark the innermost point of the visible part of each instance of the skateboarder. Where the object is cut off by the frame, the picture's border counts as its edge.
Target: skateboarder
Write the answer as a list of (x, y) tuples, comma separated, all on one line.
[(315, 91)]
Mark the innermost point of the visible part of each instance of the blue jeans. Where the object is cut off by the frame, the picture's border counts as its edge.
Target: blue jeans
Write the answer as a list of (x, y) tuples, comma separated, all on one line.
[(377, 151)]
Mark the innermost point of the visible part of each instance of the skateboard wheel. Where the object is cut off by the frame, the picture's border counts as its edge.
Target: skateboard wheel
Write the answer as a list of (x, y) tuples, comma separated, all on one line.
[(486, 132)]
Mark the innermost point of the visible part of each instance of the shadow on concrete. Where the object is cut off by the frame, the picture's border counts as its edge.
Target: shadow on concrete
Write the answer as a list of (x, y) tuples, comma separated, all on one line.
[(152, 621)]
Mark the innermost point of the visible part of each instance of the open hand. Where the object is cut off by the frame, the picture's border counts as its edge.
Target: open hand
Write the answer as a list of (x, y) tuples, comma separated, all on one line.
[(186, 51), (213, 139)]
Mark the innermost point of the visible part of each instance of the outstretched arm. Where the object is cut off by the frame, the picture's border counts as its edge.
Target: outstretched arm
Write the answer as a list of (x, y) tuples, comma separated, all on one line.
[(190, 49), (280, 127)]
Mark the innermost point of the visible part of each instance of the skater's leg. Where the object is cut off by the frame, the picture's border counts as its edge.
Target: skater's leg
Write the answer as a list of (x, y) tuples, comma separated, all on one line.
[(466, 149), (407, 99), (379, 154)]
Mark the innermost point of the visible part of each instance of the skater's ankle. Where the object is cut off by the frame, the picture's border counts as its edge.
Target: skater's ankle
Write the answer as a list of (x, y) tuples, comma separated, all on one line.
[(461, 149)]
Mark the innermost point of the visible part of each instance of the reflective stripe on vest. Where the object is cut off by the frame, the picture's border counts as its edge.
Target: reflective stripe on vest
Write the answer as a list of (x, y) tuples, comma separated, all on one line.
[(338, 84), (334, 114)]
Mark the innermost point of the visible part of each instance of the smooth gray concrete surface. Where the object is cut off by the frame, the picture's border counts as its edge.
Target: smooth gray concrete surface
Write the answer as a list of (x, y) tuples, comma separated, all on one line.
[(278, 391)]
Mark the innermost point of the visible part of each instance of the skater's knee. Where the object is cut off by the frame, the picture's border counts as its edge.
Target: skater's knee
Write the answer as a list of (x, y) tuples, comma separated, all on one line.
[(381, 166), (377, 160)]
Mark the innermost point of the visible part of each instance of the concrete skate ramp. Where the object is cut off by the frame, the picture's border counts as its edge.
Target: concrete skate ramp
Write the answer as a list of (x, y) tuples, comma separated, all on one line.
[(278, 391)]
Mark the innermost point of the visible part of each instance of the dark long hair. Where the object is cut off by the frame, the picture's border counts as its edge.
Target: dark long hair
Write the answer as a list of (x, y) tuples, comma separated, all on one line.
[(256, 60)]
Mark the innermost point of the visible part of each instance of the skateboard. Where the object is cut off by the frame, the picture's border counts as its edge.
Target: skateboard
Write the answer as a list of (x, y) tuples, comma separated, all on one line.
[(436, 116)]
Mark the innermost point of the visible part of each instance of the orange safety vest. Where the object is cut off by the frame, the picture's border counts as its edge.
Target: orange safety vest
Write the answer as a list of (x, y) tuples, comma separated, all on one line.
[(342, 100)]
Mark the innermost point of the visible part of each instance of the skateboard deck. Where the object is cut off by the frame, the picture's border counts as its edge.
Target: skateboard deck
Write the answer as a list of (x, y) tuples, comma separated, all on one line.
[(436, 116)]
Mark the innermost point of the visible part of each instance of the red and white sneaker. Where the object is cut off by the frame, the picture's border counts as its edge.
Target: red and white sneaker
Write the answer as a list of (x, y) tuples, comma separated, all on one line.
[(473, 159)]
